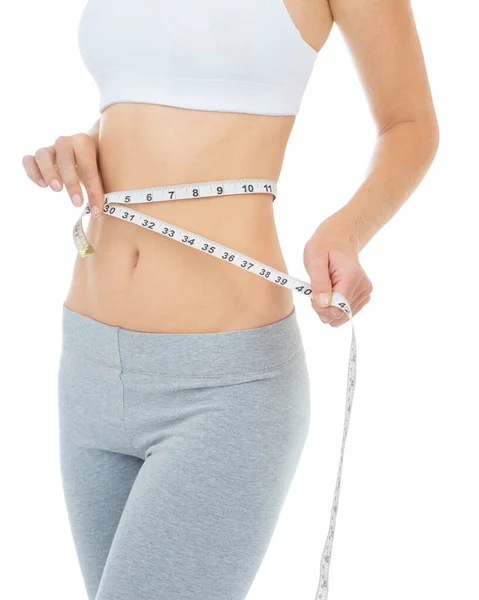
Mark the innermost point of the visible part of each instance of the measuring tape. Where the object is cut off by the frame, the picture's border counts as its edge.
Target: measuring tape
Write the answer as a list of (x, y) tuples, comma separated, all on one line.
[(118, 204)]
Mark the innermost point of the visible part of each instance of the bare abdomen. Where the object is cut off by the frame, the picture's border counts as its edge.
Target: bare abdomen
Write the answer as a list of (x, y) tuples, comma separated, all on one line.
[(143, 281)]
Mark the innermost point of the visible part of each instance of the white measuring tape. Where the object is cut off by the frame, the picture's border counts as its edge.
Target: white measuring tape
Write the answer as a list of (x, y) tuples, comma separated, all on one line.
[(118, 204)]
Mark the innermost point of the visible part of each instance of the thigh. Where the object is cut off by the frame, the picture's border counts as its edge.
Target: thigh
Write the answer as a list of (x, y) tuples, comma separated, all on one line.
[(96, 486), (98, 466), (204, 506)]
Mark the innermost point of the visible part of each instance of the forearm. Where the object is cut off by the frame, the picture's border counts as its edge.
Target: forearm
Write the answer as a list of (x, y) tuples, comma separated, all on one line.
[(401, 158)]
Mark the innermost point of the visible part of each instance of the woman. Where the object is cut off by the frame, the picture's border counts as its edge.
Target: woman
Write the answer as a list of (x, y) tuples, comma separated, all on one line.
[(184, 395)]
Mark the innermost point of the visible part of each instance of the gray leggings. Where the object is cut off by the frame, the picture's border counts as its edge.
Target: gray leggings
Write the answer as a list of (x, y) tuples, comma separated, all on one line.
[(177, 452)]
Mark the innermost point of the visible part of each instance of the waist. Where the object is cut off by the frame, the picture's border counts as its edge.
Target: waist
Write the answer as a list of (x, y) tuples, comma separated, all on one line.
[(142, 281)]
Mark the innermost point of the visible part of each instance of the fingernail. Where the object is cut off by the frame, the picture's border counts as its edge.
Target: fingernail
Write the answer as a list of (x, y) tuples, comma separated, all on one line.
[(56, 185), (76, 200), (42, 183), (323, 299), (95, 211)]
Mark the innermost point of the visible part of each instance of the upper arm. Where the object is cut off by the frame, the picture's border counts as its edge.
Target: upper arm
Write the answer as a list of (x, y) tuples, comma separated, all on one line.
[(383, 40)]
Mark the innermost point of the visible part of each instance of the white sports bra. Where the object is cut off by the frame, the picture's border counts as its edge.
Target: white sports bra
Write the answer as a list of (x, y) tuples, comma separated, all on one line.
[(242, 56)]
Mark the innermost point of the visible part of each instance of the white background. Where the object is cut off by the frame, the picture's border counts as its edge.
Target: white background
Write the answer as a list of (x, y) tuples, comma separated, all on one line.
[(408, 523)]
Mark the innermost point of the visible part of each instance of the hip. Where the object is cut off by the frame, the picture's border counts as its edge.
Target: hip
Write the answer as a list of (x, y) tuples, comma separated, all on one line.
[(252, 382)]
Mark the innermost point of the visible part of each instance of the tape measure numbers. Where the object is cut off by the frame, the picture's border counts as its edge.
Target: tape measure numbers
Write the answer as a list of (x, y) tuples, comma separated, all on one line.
[(118, 205)]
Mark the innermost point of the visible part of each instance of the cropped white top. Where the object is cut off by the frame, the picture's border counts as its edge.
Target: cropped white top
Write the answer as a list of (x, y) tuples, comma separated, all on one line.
[(243, 56)]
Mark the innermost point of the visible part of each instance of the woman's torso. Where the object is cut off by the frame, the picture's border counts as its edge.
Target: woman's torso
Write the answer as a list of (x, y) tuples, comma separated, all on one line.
[(143, 281)]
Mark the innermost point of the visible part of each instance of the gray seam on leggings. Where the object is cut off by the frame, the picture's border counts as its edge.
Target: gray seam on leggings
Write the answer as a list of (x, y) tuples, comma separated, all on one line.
[(183, 376), (123, 395)]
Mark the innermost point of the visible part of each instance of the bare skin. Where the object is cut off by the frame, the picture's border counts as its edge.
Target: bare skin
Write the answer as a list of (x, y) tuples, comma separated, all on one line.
[(142, 281)]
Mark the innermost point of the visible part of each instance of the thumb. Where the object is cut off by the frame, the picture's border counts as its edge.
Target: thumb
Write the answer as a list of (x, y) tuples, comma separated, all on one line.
[(320, 280)]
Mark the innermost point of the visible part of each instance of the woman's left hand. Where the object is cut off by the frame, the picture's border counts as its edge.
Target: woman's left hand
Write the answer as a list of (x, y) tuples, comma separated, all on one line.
[(331, 260)]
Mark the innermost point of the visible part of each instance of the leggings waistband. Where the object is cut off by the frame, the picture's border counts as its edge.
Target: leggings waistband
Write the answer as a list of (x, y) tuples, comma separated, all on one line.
[(258, 349)]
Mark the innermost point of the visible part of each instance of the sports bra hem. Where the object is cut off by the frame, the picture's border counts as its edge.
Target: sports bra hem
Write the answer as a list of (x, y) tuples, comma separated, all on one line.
[(220, 95)]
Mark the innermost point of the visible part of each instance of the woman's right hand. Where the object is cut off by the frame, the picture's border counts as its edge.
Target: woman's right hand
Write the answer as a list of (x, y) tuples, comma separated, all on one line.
[(71, 161)]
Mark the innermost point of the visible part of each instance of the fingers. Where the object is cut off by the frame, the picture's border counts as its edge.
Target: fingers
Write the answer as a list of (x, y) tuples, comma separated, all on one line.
[(85, 152), (71, 161), (45, 160), (356, 306), (339, 271), (321, 286), (327, 314), (359, 300), (31, 169), (65, 161), (318, 268)]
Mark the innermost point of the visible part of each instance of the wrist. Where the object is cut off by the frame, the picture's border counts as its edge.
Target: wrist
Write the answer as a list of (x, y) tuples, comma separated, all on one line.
[(339, 230)]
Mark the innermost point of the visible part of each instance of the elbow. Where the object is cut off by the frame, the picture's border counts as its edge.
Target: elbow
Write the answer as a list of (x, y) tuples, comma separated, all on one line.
[(420, 133), (430, 134)]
